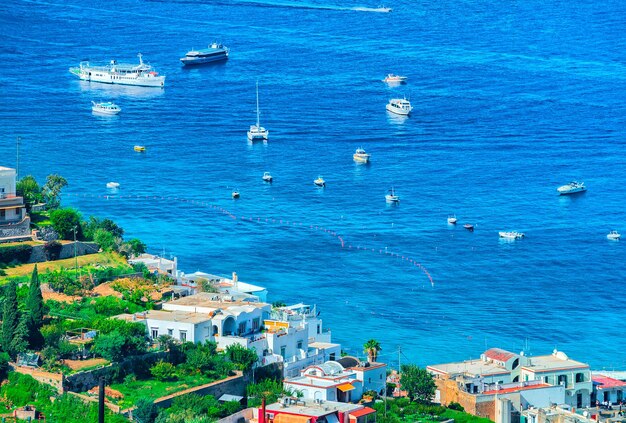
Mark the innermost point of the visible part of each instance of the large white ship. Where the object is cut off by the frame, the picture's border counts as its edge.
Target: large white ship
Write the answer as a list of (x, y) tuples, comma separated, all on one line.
[(120, 73)]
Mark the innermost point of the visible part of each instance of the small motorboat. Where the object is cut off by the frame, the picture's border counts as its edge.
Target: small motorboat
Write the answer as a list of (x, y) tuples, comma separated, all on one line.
[(105, 108), (395, 79), (360, 156), (392, 197), (267, 177), (572, 188), (113, 185), (139, 148), (235, 194), (469, 227), (452, 219), (320, 182), (511, 235), (399, 106), (614, 235)]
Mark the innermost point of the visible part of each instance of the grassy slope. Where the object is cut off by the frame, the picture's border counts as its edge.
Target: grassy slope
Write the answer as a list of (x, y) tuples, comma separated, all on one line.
[(103, 259)]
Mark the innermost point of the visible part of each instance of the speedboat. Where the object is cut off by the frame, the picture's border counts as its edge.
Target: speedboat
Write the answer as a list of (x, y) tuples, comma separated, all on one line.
[(105, 108), (452, 219), (113, 185), (614, 235), (399, 106), (212, 53), (267, 177), (139, 148), (360, 156), (392, 197), (395, 79), (320, 182), (511, 235), (572, 188), (469, 227), (257, 132), (235, 194)]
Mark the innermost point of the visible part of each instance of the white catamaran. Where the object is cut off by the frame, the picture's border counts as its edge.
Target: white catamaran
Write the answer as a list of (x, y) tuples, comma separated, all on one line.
[(257, 132), (120, 73)]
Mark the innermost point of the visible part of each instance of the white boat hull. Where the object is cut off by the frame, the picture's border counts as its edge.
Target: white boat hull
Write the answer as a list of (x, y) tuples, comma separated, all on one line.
[(104, 111), (111, 78), (566, 191), (397, 110), (392, 198), (361, 158)]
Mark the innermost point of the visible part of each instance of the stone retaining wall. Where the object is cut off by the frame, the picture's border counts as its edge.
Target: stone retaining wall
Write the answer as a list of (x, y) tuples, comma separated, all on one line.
[(16, 230), (38, 254), (235, 385)]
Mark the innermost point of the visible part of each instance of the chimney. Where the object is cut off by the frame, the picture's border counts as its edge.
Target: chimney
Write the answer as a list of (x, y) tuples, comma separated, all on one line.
[(101, 401), (262, 412)]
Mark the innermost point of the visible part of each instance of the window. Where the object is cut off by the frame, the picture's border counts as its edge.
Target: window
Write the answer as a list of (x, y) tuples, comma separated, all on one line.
[(182, 335), (242, 328), (283, 351), (516, 379), (562, 380), (526, 378), (170, 332), (515, 364), (369, 380), (332, 357), (155, 333), (580, 377), (256, 323), (545, 379), (381, 376), (319, 328), (299, 345)]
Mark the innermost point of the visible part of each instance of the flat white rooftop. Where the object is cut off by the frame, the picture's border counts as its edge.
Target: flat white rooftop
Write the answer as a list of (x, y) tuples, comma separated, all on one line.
[(165, 316), (310, 408), (543, 363), (471, 367)]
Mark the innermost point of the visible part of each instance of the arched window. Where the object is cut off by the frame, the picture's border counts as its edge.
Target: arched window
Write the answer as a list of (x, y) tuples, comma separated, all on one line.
[(515, 363)]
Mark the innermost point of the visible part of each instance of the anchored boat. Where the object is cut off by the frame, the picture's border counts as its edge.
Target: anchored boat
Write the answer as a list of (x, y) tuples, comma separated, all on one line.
[(120, 73), (257, 132), (105, 108), (213, 53)]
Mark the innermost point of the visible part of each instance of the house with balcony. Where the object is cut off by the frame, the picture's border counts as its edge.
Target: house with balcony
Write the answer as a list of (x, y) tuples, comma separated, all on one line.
[(14, 222), (221, 283), (536, 381), (342, 380), (607, 389)]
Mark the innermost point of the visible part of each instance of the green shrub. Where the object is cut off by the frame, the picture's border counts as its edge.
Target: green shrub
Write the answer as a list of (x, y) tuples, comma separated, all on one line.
[(163, 371), (64, 221), (52, 249), (456, 406), (23, 389)]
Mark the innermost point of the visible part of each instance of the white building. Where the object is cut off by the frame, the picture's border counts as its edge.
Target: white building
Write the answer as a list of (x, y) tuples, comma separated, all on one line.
[(14, 222), (238, 318), (222, 283), (157, 264), (343, 380)]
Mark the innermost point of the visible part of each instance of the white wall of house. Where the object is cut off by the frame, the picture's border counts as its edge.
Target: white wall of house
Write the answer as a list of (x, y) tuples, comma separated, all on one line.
[(7, 181), (374, 379), (181, 331), (291, 344)]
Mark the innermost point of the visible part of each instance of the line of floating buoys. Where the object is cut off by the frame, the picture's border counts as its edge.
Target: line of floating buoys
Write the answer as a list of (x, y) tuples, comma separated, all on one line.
[(265, 220)]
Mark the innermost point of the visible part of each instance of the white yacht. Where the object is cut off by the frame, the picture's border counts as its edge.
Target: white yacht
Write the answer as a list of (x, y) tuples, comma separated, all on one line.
[(119, 73), (320, 182), (572, 188), (213, 53), (614, 235), (257, 132), (113, 185), (399, 106), (392, 197), (105, 108), (511, 235), (452, 219), (267, 177), (360, 156), (395, 79)]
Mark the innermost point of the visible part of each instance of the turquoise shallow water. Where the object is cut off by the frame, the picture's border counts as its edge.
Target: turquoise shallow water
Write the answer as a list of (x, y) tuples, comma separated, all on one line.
[(511, 100)]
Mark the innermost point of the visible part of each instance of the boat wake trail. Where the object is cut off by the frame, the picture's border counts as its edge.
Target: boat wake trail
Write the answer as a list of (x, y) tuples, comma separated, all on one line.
[(346, 245), (294, 5)]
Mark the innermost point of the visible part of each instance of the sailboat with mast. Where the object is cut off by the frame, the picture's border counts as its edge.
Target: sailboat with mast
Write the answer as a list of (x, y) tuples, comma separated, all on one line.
[(257, 132)]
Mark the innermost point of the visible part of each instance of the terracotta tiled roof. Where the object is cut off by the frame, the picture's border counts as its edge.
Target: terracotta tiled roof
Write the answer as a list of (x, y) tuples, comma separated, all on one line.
[(606, 382), (499, 354)]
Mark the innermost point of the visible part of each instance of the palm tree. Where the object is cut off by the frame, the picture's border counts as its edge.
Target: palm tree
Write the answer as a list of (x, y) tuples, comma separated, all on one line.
[(371, 348)]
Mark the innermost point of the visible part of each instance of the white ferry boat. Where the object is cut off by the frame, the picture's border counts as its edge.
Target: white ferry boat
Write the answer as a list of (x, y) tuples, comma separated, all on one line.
[(212, 53), (399, 106), (119, 73), (105, 108)]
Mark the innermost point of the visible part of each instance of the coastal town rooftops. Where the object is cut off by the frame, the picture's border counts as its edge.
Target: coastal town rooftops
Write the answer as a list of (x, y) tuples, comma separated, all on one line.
[(323, 345), (319, 382), (558, 360), (469, 367), (312, 409), (216, 300), (604, 382), (166, 316)]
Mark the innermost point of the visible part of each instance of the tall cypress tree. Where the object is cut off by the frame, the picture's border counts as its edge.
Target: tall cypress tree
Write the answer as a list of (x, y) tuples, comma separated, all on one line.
[(34, 301), (36, 312), (10, 317), (19, 343)]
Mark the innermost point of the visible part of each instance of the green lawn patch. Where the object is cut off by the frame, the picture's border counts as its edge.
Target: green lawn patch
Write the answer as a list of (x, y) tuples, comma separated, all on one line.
[(153, 389)]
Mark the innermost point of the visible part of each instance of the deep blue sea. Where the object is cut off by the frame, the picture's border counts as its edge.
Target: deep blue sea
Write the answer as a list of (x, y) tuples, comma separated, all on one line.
[(511, 99)]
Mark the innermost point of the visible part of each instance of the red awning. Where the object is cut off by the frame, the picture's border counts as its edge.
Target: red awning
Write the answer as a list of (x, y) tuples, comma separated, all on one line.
[(362, 412)]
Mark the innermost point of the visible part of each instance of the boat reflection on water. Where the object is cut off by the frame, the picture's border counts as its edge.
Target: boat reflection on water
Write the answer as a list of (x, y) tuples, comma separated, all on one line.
[(396, 119), (114, 91)]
